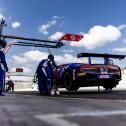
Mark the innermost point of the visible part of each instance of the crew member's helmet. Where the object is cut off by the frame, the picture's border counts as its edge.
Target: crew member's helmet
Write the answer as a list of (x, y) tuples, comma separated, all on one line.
[(51, 56), (3, 43)]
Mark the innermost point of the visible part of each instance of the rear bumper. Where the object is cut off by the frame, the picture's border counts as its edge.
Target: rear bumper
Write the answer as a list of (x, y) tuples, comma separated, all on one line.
[(94, 79)]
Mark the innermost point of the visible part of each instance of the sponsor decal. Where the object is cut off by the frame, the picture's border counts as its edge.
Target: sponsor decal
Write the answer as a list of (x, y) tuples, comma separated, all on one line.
[(81, 74)]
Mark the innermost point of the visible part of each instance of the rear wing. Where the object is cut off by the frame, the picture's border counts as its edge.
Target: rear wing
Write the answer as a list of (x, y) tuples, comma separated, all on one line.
[(101, 55)]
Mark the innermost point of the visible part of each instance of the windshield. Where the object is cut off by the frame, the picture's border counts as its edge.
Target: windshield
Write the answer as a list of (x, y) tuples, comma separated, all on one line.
[(83, 60), (95, 60)]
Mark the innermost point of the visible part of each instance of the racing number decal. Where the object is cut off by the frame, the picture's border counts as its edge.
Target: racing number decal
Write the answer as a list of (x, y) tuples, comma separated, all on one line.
[(73, 37), (74, 74)]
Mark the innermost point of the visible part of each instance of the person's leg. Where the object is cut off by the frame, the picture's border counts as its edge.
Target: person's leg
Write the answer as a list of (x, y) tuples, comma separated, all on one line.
[(46, 86), (12, 87), (9, 88), (56, 90), (50, 82), (1, 80), (40, 86), (1, 89), (52, 92), (52, 87)]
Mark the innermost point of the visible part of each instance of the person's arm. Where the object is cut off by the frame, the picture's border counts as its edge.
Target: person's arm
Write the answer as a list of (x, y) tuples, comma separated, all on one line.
[(35, 75), (3, 60), (54, 64)]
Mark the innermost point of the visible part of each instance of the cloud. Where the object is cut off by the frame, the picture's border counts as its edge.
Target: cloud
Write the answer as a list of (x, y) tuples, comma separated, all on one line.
[(1, 17), (98, 36), (122, 26), (19, 59), (68, 50), (27, 57), (36, 55), (56, 36), (57, 17), (65, 58), (15, 24), (44, 28), (119, 50), (26, 69)]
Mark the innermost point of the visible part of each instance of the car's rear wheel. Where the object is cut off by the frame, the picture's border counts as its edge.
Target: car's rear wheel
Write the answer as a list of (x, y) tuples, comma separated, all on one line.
[(69, 83), (111, 86)]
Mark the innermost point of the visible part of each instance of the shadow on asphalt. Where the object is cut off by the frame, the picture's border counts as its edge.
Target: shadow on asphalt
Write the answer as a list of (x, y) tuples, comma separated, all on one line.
[(114, 95)]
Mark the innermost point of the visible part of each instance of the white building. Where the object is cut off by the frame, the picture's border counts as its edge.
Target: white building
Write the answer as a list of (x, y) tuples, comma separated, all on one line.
[(22, 82)]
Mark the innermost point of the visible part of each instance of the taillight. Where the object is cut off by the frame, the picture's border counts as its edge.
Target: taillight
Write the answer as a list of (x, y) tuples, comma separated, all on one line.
[(89, 70)]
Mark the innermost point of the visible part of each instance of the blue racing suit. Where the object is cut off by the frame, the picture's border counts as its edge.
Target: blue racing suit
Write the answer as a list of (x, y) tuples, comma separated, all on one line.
[(45, 75), (3, 69)]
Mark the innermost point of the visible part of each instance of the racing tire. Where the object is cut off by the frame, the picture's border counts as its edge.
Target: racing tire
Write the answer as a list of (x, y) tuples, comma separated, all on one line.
[(69, 83), (110, 87)]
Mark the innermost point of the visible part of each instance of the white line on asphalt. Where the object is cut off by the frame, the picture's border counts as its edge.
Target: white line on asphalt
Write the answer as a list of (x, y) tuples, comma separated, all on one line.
[(97, 113), (57, 119)]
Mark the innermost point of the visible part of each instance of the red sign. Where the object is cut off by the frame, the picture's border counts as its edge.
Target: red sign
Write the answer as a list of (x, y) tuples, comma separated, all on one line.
[(72, 37), (19, 69)]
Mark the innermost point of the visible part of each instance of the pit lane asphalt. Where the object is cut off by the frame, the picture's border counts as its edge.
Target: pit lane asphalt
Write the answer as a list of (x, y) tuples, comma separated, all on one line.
[(88, 108)]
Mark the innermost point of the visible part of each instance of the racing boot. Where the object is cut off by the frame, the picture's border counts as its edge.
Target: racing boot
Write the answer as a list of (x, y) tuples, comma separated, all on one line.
[(52, 92), (57, 92)]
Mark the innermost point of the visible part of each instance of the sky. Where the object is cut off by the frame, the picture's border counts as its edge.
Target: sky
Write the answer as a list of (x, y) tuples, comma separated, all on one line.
[(101, 22)]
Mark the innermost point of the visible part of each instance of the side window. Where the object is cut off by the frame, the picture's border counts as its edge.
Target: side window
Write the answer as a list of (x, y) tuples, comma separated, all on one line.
[(97, 60)]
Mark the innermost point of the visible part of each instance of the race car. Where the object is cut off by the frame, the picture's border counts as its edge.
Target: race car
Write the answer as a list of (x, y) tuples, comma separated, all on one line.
[(72, 76)]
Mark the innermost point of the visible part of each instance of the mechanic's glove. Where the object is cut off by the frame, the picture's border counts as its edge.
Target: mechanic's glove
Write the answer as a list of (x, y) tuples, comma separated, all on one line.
[(35, 79)]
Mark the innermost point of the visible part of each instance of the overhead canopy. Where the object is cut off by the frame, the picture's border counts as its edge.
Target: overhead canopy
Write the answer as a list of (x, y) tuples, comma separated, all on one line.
[(100, 55), (34, 42)]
